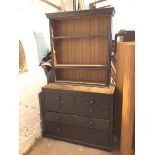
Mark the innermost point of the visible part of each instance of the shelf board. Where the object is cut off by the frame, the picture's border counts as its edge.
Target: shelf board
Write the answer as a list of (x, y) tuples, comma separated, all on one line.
[(81, 83), (79, 66), (78, 37)]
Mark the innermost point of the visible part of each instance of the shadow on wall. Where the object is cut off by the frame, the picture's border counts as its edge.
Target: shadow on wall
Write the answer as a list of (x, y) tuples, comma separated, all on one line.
[(41, 45), (41, 109)]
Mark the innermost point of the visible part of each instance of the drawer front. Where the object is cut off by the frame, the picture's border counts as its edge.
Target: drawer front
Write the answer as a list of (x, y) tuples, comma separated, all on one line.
[(78, 121), (93, 105), (58, 97), (96, 100), (89, 105), (92, 111), (59, 102), (76, 133)]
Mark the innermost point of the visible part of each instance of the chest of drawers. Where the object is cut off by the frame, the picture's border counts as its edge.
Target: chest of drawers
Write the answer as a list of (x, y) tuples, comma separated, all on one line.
[(78, 114)]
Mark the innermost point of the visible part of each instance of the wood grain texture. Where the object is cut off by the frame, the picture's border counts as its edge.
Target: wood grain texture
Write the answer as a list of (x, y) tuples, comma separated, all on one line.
[(128, 105), (119, 86), (102, 90), (84, 72), (78, 14), (96, 45), (125, 85), (91, 50)]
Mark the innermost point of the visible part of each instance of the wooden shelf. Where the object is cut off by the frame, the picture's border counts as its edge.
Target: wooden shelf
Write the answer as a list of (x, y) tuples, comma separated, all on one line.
[(81, 83), (81, 45), (78, 37), (79, 66)]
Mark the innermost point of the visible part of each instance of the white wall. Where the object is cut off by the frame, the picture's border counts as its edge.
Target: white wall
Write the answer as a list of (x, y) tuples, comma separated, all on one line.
[(29, 109), (66, 5), (124, 17), (34, 34)]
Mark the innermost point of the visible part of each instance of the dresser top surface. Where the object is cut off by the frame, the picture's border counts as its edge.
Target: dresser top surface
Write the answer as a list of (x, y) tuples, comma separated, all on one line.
[(91, 89)]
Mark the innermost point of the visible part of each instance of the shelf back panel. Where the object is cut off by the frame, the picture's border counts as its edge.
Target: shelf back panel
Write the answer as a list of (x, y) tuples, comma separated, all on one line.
[(93, 50), (80, 75), (82, 38)]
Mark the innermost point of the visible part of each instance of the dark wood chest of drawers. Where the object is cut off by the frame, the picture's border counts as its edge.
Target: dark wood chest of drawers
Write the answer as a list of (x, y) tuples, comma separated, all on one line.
[(78, 114)]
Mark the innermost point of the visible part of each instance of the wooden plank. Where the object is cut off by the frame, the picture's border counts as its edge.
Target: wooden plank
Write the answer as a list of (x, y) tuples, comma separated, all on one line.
[(74, 87), (101, 46), (80, 66), (128, 105), (56, 29), (109, 48), (56, 45), (69, 27), (96, 49), (76, 48), (62, 46), (83, 71), (73, 42), (78, 45), (90, 84), (79, 58), (92, 48), (88, 47), (78, 14), (80, 36), (84, 50), (119, 85), (65, 48)]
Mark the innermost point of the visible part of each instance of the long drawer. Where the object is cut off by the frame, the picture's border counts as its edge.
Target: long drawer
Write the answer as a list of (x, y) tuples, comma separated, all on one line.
[(91, 123), (89, 105), (89, 136), (101, 100)]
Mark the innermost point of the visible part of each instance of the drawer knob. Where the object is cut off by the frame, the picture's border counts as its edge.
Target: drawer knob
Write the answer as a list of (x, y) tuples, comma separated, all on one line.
[(92, 101), (58, 98), (91, 110), (58, 129), (58, 106), (91, 123), (58, 117)]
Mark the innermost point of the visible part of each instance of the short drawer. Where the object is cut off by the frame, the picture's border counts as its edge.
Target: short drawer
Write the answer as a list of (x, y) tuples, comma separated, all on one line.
[(58, 97), (79, 121), (89, 136), (58, 102), (94, 105), (97, 100), (92, 111)]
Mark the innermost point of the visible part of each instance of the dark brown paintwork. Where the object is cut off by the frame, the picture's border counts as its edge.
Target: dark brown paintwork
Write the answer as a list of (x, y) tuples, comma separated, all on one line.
[(79, 117), (78, 14), (78, 121)]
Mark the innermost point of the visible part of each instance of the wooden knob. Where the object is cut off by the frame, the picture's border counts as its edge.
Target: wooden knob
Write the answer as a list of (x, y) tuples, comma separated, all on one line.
[(58, 129), (58, 106), (91, 110), (91, 122), (58, 98), (58, 117), (92, 101)]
